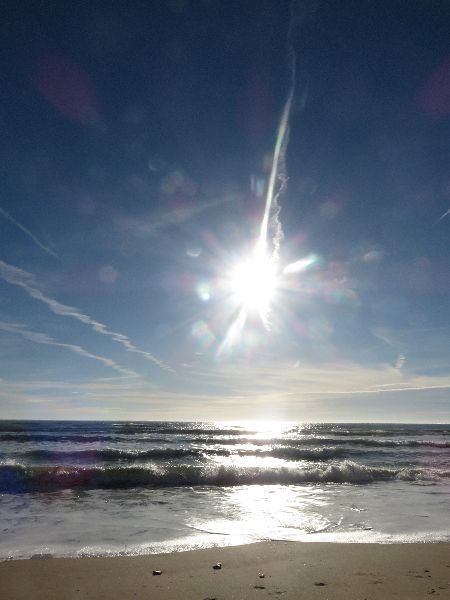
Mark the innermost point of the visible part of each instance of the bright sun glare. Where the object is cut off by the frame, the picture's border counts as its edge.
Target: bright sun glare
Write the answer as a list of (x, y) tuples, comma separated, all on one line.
[(253, 284)]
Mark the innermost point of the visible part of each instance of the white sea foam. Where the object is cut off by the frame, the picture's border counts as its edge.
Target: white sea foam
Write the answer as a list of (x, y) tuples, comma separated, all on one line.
[(69, 489)]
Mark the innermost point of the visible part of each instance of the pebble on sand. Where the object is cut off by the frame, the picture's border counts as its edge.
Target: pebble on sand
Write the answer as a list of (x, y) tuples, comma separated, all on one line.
[(155, 572), (217, 566)]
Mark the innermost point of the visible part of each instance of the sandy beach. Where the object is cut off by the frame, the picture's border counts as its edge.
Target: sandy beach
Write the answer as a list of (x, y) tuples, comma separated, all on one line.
[(290, 569)]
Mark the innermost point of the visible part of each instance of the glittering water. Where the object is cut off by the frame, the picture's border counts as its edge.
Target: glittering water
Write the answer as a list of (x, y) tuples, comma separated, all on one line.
[(74, 488)]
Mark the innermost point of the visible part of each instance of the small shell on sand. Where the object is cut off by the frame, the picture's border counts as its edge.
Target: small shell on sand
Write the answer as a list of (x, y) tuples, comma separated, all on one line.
[(261, 575), (217, 566), (157, 572)]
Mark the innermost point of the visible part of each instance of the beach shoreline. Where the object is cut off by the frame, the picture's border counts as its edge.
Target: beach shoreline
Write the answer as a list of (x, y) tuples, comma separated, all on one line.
[(290, 570)]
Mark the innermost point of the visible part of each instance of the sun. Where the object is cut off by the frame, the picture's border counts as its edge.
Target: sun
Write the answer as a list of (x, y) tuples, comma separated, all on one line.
[(253, 284)]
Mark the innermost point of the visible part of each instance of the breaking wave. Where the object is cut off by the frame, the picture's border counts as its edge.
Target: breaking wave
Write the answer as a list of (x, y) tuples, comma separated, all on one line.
[(16, 478)]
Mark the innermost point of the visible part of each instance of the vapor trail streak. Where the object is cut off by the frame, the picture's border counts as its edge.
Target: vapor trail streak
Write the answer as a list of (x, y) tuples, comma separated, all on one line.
[(280, 147), (27, 232), (43, 338), (447, 212), (26, 281), (278, 161)]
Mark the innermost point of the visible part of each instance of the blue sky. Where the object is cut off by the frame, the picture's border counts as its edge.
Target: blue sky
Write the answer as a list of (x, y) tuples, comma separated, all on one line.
[(137, 147)]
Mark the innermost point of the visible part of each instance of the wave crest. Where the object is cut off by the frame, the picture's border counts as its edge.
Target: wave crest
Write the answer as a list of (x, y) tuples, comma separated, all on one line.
[(21, 478)]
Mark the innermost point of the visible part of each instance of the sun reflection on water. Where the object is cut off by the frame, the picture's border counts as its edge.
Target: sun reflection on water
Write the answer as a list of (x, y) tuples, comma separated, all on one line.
[(261, 512), (260, 429)]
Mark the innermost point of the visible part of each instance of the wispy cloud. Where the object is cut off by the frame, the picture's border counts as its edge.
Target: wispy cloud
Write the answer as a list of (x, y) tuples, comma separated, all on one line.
[(43, 338), (27, 232), (148, 226), (26, 281), (331, 392), (401, 359), (315, 381)]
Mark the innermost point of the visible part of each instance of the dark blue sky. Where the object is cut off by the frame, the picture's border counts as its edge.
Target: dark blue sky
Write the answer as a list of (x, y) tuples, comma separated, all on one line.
[(136, 148)]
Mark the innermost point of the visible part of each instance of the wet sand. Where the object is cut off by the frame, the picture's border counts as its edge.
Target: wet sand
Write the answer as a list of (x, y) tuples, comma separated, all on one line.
[(292, 570)]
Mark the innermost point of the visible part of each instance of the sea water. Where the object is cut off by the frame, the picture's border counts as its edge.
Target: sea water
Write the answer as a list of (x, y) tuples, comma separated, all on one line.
[(125, 488)]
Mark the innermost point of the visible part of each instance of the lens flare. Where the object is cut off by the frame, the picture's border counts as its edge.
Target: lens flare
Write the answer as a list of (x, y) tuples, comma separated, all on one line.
[(253, 285)]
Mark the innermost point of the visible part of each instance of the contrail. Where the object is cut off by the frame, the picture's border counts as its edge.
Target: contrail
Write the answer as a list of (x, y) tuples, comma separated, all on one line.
[(16, 276), (278, 173), (447, 212), (28, 233), (275, 187), (43, 338)]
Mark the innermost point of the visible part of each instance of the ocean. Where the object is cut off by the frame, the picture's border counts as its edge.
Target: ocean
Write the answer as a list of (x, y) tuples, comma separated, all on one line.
[(129, 488)]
